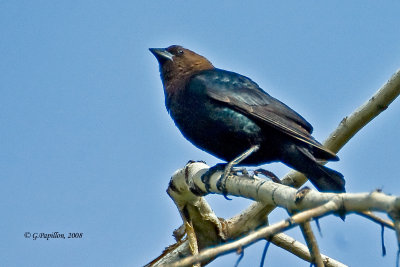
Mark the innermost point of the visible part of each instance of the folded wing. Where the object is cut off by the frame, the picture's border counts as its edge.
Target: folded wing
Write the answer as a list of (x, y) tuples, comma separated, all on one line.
[(244, 95)]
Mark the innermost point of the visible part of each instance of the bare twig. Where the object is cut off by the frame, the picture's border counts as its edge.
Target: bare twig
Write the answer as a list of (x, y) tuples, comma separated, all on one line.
[(397, 227), (350, 125), (300, 250), (377, 219), (312, 243), (194, 248)]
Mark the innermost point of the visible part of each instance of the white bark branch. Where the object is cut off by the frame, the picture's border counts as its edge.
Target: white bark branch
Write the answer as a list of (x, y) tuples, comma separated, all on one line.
[(300, 250), (211, 230), (266, 232), (271, 193), (315, 204), (312, 244)]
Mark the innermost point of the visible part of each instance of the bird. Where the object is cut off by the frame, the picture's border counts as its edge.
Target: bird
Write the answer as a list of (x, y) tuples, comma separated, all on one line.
[(229, 116)]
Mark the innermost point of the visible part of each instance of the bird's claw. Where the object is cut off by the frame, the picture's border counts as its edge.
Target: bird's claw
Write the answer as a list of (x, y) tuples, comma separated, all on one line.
[(221, 183), (228, 170)]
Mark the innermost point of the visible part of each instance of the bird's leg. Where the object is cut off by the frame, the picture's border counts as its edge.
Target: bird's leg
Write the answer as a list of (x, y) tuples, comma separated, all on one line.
[(241, 170), (221, 184)]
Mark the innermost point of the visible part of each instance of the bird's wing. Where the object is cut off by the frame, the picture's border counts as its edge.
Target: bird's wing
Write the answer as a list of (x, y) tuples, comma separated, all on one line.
[(245, 96)]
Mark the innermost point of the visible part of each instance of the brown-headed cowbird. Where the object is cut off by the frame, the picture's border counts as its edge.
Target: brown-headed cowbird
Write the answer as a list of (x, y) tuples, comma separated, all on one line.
[(226, 114)]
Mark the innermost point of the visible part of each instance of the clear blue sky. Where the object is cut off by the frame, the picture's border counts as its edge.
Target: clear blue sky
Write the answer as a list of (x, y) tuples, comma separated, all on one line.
[(86, 144)]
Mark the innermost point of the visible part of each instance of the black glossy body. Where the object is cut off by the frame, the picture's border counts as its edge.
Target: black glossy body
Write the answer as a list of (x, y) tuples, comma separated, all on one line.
[(225, 113)]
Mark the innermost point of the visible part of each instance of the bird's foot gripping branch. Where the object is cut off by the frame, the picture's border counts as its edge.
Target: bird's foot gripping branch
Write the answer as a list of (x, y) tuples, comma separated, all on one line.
[(227, 170)]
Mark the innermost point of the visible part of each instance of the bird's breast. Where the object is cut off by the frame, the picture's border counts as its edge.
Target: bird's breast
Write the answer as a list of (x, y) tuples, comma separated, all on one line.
[(214, 127)]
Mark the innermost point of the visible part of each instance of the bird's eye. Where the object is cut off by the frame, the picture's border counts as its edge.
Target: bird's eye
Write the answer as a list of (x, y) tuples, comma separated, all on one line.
[(180, 52)]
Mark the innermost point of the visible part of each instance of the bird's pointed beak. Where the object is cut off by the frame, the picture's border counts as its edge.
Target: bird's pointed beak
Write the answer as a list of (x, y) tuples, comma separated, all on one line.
[(161, 54)]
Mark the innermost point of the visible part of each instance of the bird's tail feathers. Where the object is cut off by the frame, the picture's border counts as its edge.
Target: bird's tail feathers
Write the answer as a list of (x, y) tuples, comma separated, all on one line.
[(327, 180), (323, 178)]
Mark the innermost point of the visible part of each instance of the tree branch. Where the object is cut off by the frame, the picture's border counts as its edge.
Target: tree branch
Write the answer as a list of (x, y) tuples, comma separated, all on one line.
[(315, 204), (211, 230), (263, 233), (312, 244), (300, 250)]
